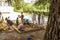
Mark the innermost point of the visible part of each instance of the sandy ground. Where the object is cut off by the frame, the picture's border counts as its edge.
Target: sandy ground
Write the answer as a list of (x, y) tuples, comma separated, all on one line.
[(37, 35), (14, 35)]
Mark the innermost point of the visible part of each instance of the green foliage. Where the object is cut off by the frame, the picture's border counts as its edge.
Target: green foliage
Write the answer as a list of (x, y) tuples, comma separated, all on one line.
[(43, 2), (21, 6), (17, 4), (38, 2), (46, 13)]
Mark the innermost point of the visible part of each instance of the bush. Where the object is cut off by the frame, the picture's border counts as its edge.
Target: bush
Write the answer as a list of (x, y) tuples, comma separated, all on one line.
[(46, 13)]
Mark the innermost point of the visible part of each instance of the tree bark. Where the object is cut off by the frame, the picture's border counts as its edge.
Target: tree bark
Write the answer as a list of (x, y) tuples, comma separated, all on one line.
[(53, 24)]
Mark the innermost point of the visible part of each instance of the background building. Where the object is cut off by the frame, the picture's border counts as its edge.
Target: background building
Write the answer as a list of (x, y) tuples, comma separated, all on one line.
[(6, 6), (5, 2), (29, 1)]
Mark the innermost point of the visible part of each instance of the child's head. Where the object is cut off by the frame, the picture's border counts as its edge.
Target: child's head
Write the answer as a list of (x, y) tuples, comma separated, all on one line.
[(21, 12), (0, 13), (33, 11), (9, 17), (6, 18)]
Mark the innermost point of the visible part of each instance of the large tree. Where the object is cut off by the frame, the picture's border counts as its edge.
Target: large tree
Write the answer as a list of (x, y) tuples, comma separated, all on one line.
[(43, 2), (53, 24), (18, 4)]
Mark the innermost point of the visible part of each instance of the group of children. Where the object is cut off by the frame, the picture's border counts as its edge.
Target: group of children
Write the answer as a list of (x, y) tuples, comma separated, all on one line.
[(10, 22), (20, 26), (40, 17)]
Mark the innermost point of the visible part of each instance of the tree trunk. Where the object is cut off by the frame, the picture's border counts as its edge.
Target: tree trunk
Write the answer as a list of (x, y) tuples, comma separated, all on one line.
[(53, 24)]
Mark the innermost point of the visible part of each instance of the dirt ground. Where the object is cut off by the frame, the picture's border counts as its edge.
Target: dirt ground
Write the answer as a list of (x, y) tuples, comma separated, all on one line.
[(37, 35), (14, 35)]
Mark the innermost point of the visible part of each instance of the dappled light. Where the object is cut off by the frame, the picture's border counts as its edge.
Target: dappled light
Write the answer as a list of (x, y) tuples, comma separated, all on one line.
[(23, 19)]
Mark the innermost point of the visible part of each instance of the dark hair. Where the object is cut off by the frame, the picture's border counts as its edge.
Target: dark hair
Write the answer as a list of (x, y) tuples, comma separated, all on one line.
[(5, 18), (33, 11), (43, 13), (0, 13)]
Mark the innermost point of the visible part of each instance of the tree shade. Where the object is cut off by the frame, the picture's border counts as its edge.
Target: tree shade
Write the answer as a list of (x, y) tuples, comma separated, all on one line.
[(39, 5)]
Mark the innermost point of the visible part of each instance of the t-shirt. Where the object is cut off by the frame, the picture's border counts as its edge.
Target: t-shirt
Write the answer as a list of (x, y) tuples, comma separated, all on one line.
[(10, 22), (20, 26), (22, 16), (33, 16)]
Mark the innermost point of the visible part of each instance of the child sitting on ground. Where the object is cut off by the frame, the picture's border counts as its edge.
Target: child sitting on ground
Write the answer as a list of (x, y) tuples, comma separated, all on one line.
[(21, 27)]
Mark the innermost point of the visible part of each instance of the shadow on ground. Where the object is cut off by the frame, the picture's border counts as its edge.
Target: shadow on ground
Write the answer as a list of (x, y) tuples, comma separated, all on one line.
[(37, 35)]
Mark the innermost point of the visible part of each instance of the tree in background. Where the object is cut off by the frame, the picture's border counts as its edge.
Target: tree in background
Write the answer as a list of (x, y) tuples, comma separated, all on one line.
[(20, 5), (17, 4), (42, 4)]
